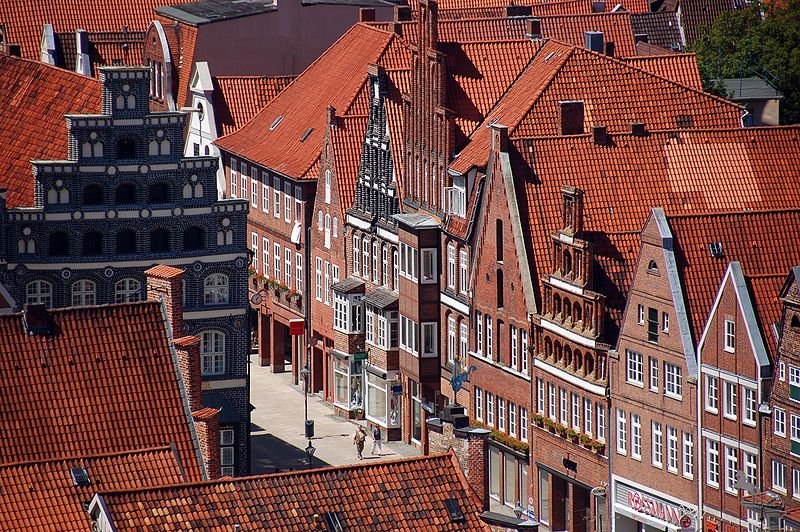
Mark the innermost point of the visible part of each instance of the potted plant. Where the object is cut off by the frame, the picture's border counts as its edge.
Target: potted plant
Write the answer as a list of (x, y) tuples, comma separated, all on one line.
[(598, 447), (550, 424), (292, 295), (572, 434), (538, 419), (562, 430), (585, 440)]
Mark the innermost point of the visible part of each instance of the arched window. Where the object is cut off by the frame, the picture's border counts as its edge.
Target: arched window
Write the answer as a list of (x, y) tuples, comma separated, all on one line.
[(59, 244), (39, 293), (212, 352), (557, 351), (93, 194), (335, 227), (567, 262), (556, 305), (127, 291), (320, 217), (567, 309), (795, 324), (500, 289), (327, 230), (126, 241), (498, 242), (327, 186), (548, 348), (83, 293), (193, 238), (131, 101), (125, 194), (159, 240), (576, 312), (567, 356), (126, 148), (159, 193), (215, 289), (92, 243)]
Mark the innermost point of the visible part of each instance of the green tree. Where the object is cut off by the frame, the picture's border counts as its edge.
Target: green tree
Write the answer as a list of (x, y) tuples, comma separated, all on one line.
[(743, 43)]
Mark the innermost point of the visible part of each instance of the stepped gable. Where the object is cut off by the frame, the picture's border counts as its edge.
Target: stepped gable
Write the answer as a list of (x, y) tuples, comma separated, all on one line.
[(34, 97), (45, 492), (99, 380), (688, 171), (276, 136), (405, 494), (237, 99)]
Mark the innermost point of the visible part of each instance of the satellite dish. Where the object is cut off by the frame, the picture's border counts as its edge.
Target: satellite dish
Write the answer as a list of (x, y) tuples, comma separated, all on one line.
[(256, 299)]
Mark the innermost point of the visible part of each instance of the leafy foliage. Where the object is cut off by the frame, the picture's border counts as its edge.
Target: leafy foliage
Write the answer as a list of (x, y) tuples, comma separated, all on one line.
[(743, 43)]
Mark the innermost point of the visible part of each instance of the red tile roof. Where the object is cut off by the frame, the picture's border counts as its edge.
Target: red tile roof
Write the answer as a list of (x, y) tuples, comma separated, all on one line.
[(628, 94), (336, 78), (33, 100), (105, 382), (405, 494), (635, 6), (761, 241), (689, 171), (348, 142), (104, 49), (24, 19), (662, 29), (237, 99), (43, 494), (164, 271), (540, 9), (764, 290), (681, 68), (697, 16)]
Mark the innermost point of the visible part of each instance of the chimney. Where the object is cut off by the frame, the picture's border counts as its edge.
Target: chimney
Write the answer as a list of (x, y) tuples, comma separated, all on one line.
[(165, 283), (519, 11), (600, 135), (572, 117), (610, 48), (534, 28), (499, 138), (452, 432), (638, 129), (188, 350), (206, 423), (366, 14), (82, 63), (594, 41), (598, 6), (402, 13)]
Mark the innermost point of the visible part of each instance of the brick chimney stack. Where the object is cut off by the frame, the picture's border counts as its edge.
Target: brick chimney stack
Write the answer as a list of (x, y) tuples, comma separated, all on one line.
[(206, 422), (165, 283), (188, 350)]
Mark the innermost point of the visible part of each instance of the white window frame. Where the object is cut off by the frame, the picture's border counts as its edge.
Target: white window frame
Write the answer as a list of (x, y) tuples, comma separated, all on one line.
[(276, 256), (779, 422), (288, 266), (731, 467), (672, 450), (653, 363), (751, 468), (216, 289), (523, 424), (365, 257), (665, 322), (234, 164), (254, 190), (478, 333), (265, 196), (356, 255), (688, 455), (640, 315), (376, 273), (657, 447), (673, 381), (635, 368), (212, 352), (451, 266), (39, 292), (463, 340), (501, 414), (489, 343), (512, 419), (552, 405), (287, 202), (524, 350), (576, 412), (749, 406), (298, 272), (451, 339), (490, 409), (276, 196), (730, 399), (730, 336), (478, 404), (463, 275), (712, 394), (318, 277), (564, 406), (712, 459), (266, 257), (622, 432), (127, 290), (254, 248), (83, 293), (428, 266), (587, 416), (512, 329), (779, 476), (540, 403), (601, 422)]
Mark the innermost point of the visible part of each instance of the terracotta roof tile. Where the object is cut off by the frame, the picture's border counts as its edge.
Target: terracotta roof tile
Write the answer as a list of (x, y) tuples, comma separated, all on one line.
[(348, 141), (33, 100), (335, 78), (44, 491), (680, 68), (765, 289), (538, 9), (760, 241), (237, 99), (662, 29), (104, 382), (689, 171), (164, 271), (24, 19), (406, 494), (560, 72), (697, 16)]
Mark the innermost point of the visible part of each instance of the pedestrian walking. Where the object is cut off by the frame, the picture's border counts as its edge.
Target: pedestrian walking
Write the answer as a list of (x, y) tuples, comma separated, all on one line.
[(376, 441), (358, 439)]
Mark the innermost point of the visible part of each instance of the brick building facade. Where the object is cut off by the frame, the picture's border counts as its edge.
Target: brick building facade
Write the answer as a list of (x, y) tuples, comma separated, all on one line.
[(125, 199)]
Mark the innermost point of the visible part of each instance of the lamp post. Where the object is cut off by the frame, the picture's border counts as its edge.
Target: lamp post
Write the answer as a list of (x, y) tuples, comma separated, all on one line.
[(310, 450)]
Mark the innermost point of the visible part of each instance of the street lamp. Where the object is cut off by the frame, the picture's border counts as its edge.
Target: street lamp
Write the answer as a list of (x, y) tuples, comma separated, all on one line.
[(310, 450)]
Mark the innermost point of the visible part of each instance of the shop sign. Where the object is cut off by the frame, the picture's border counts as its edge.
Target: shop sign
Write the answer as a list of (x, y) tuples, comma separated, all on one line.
[(652, 506), (297, 327), (359, 356)]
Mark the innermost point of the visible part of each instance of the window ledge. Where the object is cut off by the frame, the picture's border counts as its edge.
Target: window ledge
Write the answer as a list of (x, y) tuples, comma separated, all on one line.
[(635, 383), (728, 416), (729, 349), (714, 411), (749, 423), (673, 396)]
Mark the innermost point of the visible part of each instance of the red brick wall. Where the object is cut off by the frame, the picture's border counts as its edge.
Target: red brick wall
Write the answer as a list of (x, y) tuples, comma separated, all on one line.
[(168, 289), (206, 422), (188, 351)]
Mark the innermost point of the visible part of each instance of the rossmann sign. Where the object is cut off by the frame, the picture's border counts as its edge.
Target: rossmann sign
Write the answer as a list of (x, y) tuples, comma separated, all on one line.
[(650, 505)]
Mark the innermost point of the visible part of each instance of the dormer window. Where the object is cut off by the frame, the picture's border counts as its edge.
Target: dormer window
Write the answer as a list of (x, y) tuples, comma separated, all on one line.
[(456, 197)]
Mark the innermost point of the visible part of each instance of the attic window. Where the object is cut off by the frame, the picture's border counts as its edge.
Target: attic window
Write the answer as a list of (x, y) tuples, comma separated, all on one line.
[(549, 57), (716, 250), (79, 476), (456, 515), (276, 122), (305, 135), (652, 267), (333, 521)]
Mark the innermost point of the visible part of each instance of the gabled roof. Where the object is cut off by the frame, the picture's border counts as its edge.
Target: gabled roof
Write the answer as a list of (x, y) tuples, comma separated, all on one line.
[(697, 16), (688, 171), (276, 136), (406, 494), (680, 68), (537, 9), (237, 99), (662, 29), (106, 381), (34, 97), (560, 72), (24, 19), (348, 141), (764, 290), (104, 49), (762, 242), (43, 493)]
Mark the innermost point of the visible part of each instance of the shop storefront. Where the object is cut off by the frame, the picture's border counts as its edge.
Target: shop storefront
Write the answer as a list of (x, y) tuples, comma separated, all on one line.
[(640, 510), (348, 383), (508, 476), (383, 400)]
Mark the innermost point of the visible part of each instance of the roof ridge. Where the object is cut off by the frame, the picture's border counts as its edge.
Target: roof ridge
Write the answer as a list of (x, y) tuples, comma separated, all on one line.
[(303, 472), (40, 64), (725, 214), (654, 57), (758, 276), (143, 450), (661, 132), (672, 81), (67, 310)]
